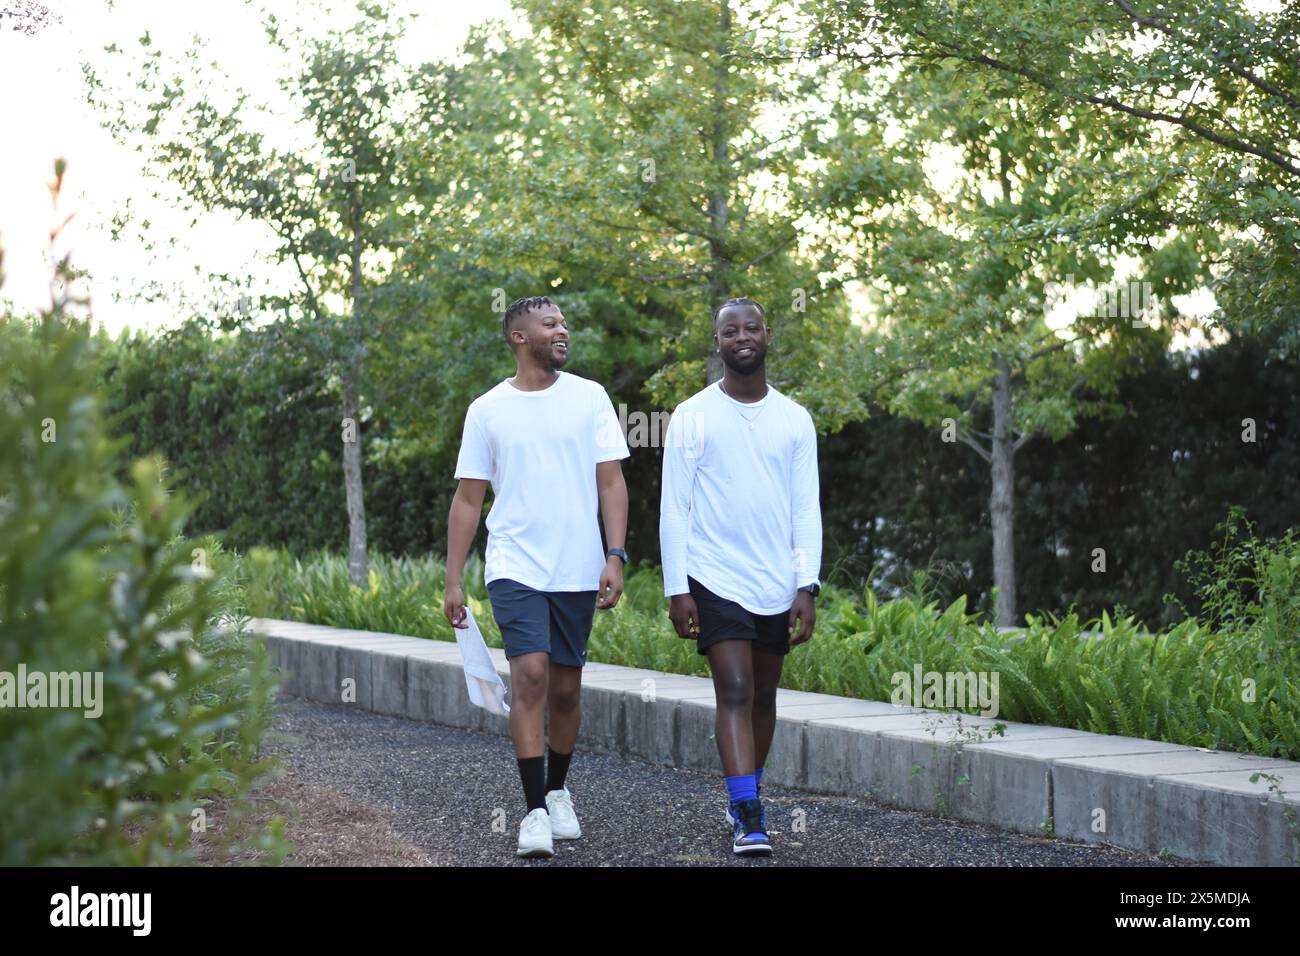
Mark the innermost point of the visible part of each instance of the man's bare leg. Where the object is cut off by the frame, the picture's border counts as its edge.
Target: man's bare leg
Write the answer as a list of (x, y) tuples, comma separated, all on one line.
[(528, 685), (731, 663), (767, 677), (564, 706)]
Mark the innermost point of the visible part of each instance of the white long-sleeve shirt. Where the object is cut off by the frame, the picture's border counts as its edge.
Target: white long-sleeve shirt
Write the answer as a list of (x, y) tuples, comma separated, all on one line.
[(739, 510)]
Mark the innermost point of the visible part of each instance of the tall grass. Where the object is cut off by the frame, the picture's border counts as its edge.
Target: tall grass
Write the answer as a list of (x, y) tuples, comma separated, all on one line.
[(1227, 682)]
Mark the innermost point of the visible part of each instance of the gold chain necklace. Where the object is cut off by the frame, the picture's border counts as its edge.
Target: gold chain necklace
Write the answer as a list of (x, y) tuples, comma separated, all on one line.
[(747, 421)]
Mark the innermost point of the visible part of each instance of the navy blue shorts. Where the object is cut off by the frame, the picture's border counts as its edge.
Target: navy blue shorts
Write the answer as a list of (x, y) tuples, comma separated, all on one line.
[(723, 620), (552, 622)]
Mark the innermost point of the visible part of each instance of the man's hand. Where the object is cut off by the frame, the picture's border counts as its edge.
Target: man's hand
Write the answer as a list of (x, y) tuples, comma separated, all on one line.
[(453, 605), (462, 520), (611, 584), (685, 616), (805, 613)]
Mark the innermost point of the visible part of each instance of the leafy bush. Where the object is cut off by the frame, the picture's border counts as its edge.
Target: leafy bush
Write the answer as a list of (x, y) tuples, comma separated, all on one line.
[(96, 580), (1228, 687)]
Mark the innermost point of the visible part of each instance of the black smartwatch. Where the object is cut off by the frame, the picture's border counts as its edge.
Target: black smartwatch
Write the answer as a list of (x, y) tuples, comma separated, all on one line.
[(617, 553), (814, 589)]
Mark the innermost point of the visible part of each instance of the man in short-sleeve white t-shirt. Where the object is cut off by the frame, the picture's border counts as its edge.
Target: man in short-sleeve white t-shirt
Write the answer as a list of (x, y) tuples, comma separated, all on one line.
[(539, 449), (550, 445)]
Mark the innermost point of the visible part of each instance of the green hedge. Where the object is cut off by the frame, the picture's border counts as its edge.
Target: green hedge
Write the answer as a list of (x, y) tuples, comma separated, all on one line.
[(255, 430)]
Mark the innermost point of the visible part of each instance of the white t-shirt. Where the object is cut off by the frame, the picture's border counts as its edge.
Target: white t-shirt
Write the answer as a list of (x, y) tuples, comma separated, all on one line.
[(540, 450), (739, 511)]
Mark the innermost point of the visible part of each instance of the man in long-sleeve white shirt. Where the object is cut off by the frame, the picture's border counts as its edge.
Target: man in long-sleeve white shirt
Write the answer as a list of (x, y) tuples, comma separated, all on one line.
[(741, 539)]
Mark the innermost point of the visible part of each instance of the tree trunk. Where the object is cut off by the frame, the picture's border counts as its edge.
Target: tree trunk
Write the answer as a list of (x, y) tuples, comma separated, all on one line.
[(358, 562), (1002, 499), (719, 260)]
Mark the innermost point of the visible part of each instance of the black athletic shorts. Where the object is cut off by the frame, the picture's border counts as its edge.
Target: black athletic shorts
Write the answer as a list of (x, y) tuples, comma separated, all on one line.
[(723, 620), (555, 622)]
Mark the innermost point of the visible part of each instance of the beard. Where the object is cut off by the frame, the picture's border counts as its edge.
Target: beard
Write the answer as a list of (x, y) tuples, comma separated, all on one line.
[(746, 366), (544, 355)]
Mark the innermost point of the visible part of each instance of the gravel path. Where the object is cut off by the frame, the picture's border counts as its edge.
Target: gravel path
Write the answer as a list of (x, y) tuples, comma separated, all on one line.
[(455, 795)]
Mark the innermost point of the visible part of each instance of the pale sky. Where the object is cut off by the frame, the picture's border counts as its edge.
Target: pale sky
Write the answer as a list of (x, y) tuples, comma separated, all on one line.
[(45, 115)]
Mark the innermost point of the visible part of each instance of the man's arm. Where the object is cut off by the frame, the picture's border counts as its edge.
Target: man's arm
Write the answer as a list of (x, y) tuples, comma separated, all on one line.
[(462, 523), (674, 522), (805, 530), (613, 508)]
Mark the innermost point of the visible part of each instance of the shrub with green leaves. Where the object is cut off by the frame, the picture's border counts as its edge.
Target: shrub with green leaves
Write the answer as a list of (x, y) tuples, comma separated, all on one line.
[(96, 580), (1229, 686)]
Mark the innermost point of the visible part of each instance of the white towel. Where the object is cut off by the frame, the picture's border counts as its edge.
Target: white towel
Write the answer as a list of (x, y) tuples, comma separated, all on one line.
[(485, 686)]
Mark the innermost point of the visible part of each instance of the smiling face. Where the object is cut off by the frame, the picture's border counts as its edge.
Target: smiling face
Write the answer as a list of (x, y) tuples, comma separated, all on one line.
[(543, 334), (742, 337)]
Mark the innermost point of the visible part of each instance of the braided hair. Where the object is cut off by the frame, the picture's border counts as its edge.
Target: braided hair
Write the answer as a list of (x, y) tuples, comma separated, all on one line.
[(521, 307), (743, 300)]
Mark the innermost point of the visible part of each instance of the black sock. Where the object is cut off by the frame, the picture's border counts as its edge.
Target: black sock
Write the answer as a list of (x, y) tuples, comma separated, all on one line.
[(532, 772), (556, 770)]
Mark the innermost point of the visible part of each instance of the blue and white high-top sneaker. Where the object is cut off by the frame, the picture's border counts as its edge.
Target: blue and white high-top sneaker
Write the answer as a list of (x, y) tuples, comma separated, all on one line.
[(731, 812), (749, 838)]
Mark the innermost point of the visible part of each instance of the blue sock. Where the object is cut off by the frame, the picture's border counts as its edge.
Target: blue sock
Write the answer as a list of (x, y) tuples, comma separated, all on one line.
[(742, 787), (758, 781)]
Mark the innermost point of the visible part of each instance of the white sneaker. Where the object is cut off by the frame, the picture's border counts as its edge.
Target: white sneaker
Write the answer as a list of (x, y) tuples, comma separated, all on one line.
[(564, 822), (535, 835)]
